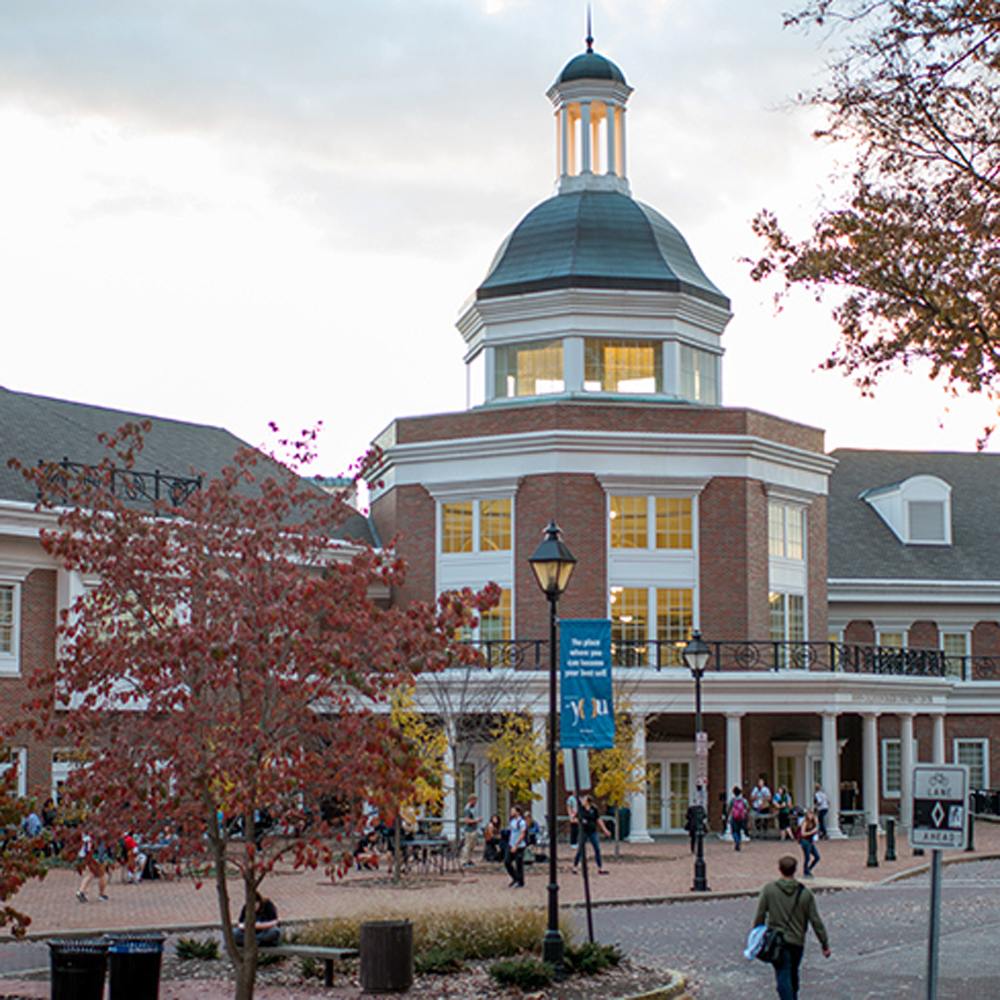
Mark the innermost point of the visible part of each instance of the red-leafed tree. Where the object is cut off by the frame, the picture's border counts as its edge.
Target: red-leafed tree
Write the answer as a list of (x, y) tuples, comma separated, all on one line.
[(20, 855), (228, 667)]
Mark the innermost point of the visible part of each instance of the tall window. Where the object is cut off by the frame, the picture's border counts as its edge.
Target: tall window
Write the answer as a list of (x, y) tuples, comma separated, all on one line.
[(674, 616), (16, 757), (456, 527), (788, 624), (785, 531), (628, 523), (495, 624), (529, 369), (699, 375), (673, 523), (627, 366), (654, 794), (476, 526), (892, 768), (629, 625), (8, 628), (955, 646), (494, 525), (975, 753), (673, 518)]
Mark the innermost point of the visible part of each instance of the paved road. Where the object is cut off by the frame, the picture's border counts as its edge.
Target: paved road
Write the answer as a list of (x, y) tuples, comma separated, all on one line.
[(879, 937)]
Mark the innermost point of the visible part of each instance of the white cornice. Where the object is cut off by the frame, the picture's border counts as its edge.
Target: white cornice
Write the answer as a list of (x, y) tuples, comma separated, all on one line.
[(480, 489), (23, 520), (672, 485), (842, 590)]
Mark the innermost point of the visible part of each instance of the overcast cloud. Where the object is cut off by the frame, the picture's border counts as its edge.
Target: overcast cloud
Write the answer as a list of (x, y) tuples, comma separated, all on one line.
[(252, 210)]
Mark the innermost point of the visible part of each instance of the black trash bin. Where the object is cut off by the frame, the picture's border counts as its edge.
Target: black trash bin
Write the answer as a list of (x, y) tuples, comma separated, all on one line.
[(78, 967), (134, 966), (624, 822), (385, 950)]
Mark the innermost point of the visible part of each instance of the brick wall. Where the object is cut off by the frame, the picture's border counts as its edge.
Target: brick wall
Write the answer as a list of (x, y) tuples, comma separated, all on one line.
[(923, 635), (816, 552)]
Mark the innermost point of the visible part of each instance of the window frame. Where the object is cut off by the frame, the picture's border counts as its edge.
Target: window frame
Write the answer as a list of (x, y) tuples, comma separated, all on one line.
[(21, 753), (650, 518), (477, 518), (984, 744), (10, 661)]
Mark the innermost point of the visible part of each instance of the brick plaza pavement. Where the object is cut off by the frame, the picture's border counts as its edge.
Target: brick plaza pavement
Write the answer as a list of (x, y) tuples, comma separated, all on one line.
[(650, 872)]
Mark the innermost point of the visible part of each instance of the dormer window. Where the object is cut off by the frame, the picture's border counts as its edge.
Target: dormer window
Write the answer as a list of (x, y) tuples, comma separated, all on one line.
[(917, 510)]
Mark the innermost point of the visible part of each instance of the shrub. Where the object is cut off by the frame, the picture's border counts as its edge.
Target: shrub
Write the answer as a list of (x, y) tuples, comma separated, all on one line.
[(191, 948), (437, 961), (592, 957), (526, 972)]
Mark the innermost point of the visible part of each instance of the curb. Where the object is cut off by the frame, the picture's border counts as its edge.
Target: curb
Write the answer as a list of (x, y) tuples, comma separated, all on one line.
[(672, 990)]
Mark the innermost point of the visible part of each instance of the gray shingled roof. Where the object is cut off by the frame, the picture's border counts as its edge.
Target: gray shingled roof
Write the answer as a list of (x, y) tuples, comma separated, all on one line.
[(596, 239), (862, 546), (34, 428)]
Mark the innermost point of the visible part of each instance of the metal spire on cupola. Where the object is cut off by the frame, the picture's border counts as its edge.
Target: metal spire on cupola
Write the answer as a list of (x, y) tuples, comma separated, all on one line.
[(590, 97)]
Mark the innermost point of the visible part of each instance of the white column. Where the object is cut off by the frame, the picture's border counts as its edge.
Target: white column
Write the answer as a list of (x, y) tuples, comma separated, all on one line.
[(540, 789), (573, 363), (831, 774), (869, 766), (621, 167), (734, 758), (564, 130), (939, 754), (450, 805), (609, 116), (637, 800), (585, 133), (906, 769)]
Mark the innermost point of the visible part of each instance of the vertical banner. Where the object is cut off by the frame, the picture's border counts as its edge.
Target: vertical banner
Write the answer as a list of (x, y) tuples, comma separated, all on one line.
[(586, 707)]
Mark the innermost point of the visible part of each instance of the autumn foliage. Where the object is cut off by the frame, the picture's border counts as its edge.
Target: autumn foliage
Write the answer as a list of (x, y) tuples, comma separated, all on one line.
[(226, 668)]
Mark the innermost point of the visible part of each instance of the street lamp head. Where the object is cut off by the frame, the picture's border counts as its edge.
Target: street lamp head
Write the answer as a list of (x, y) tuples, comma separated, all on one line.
[(697, 653), (552, 563)]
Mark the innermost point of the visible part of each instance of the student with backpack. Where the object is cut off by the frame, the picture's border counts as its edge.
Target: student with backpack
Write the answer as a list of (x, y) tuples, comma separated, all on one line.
[(737, 816)]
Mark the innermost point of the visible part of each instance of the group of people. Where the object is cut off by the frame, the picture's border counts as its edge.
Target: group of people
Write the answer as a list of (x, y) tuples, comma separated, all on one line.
[(95, 859), (805, 826)]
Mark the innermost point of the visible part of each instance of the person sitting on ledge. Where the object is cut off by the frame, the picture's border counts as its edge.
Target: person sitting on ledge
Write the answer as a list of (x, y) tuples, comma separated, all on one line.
[(266, 924)]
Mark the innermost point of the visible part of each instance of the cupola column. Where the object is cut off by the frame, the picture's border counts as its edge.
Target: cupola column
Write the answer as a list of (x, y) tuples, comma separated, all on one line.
[(622, 167), (611, 114), (565, 137), (585, 134)]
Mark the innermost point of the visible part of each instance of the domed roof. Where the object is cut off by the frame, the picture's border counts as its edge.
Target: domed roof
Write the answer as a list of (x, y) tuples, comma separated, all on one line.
[(590, 66), (596, 239)]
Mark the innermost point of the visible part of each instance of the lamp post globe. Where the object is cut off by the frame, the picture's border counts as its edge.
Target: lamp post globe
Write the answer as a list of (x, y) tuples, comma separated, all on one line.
[(553, 565)]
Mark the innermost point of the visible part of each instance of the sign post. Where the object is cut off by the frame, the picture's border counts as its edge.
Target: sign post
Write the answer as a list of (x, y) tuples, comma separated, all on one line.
[(940, 800)]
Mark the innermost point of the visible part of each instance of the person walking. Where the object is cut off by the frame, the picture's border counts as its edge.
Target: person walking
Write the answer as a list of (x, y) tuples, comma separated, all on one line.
[(517, 841), (737, 813), (821, 802), (471, 830), (789, 906), (590, 824), (808, 833), (93, 863)]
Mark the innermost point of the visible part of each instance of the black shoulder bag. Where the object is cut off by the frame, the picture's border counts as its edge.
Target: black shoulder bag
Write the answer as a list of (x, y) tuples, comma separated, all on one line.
[(773, 945)]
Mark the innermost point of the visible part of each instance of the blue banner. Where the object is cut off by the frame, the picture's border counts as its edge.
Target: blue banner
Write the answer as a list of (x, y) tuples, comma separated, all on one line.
[(586, 706)]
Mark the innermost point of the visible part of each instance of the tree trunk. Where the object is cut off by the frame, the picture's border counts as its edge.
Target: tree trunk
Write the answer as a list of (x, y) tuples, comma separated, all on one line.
[(397, 846)]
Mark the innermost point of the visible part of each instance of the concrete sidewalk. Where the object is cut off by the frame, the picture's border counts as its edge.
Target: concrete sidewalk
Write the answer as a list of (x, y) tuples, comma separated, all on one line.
[(648, 872)]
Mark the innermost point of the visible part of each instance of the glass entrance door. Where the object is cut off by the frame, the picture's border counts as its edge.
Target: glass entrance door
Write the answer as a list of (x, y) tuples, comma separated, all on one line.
[(680, 793)]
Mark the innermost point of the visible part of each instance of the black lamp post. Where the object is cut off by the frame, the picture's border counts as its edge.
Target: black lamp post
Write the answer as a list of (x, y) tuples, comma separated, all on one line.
[(553, 565), (696, 656)]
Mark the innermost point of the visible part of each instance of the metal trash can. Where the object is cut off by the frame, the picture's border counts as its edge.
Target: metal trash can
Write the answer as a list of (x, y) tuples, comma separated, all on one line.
[(78, 966), (386, 955), (134, 966)]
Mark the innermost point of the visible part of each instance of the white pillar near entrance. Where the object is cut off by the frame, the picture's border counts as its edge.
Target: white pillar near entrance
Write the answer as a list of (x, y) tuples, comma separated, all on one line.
[(639, 833), (539, 789), (734, 758), (938, 753), (831, 774), (869, 765), (450, 804), (906, 760)]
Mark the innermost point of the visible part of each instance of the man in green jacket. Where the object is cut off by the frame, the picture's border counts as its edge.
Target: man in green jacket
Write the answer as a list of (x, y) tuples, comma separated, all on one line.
[(777, 907)]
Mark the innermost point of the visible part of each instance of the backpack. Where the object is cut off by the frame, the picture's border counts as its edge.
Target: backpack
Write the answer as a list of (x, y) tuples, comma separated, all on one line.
[(738, 810)]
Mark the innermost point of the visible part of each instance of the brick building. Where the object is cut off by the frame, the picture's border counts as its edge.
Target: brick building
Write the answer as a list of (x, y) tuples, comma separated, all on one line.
[(851, 600), (594, 354)]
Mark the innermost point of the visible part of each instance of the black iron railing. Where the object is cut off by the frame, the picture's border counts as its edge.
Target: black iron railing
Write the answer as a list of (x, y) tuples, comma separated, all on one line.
[(828, 657), (139, 487)]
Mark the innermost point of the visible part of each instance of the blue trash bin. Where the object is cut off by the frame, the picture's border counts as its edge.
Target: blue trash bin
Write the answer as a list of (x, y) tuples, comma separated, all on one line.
[(134, 966)]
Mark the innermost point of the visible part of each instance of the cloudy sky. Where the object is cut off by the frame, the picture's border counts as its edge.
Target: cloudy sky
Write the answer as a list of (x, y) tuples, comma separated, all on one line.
[(239, 211)]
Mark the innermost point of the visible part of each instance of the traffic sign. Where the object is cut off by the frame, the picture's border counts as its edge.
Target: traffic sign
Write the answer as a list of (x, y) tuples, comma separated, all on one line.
[(940, 798)]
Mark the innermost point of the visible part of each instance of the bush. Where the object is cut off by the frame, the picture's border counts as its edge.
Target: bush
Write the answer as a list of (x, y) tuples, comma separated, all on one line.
[(437, 961), (592, 957), (190, 948), (526, 972)]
